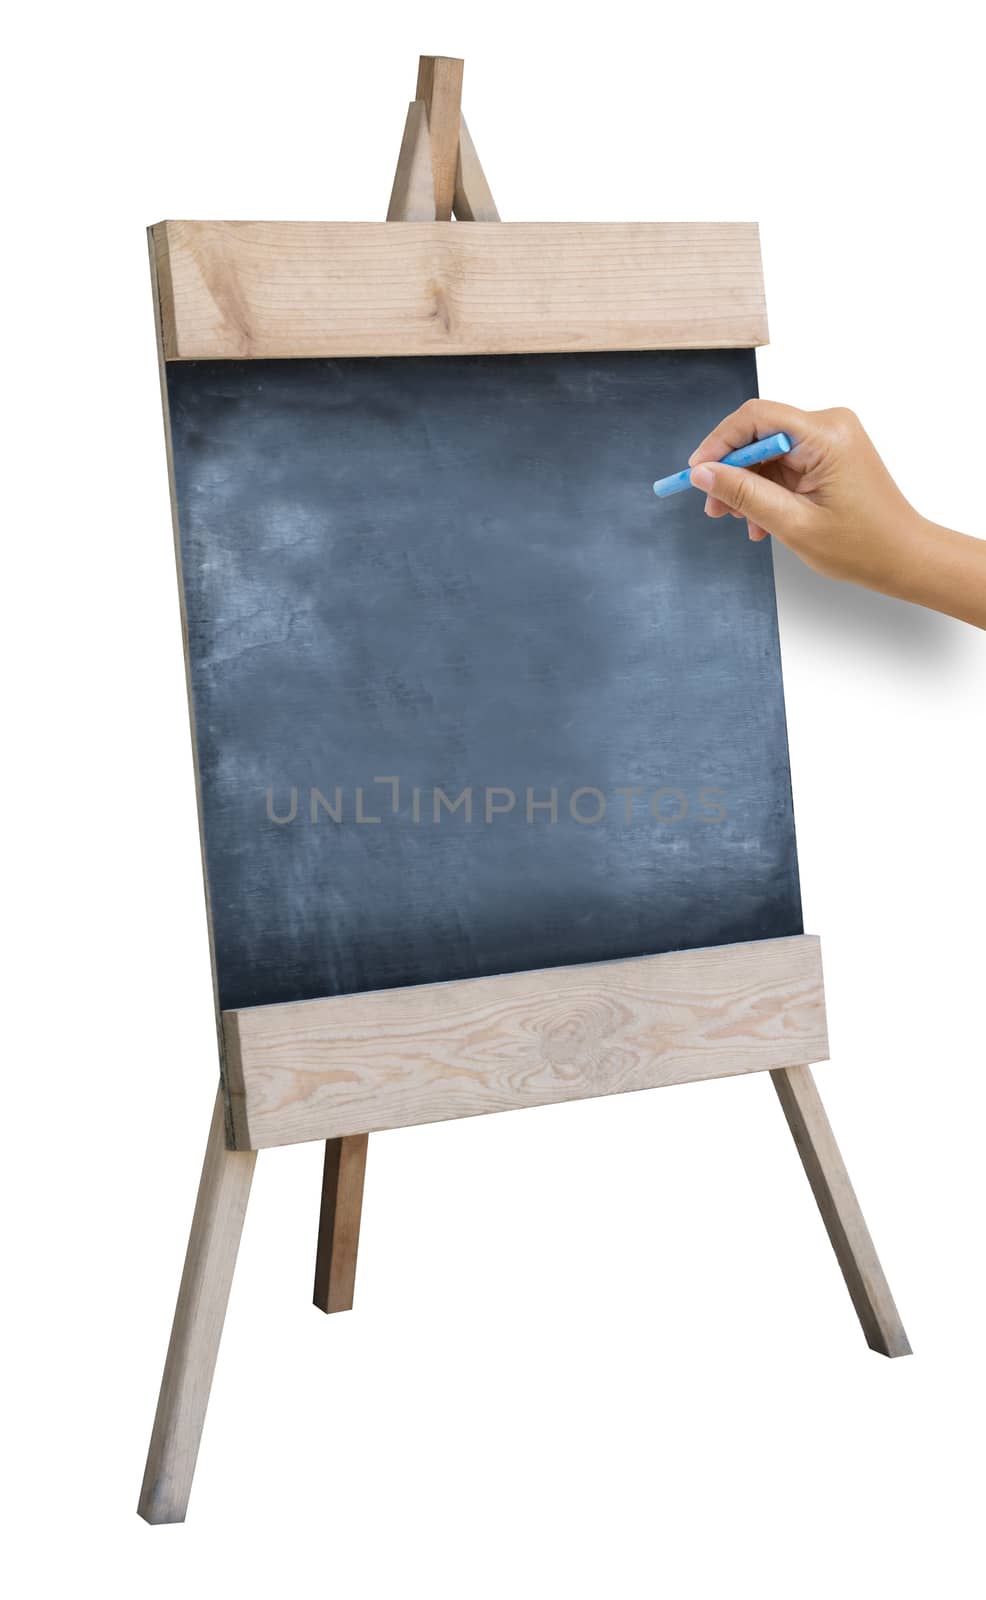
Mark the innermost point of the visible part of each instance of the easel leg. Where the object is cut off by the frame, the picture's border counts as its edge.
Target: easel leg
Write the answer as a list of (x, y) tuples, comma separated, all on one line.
[(338, 1226), (844, 1222), (224, 1189)]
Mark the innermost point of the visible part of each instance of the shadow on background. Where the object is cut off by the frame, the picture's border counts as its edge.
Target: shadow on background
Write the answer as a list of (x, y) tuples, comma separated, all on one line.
[(851, 617)]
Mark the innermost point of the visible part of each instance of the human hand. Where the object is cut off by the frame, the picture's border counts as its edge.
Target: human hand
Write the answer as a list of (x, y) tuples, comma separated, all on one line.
[(831, 499)]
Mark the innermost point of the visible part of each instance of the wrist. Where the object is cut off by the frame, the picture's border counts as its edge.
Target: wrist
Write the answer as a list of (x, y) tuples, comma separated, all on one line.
[(943, 570), (913, 553)]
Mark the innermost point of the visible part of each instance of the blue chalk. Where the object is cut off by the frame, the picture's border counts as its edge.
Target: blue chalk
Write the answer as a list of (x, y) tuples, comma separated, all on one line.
[(749, 455)]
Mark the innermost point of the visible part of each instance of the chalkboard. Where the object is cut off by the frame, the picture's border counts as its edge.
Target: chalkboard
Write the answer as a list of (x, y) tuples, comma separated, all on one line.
[(467, 699)]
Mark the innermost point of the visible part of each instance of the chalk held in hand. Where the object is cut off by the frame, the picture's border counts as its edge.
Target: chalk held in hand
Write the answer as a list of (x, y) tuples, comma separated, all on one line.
[(749, 455)]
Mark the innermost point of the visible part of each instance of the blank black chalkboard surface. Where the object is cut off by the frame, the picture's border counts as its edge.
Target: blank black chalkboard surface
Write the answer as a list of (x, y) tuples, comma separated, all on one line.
[(468, 699), (490, 745)]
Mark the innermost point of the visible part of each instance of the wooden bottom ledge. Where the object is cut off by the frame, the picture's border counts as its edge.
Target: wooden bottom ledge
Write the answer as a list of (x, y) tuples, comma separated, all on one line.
[(326, 1069)]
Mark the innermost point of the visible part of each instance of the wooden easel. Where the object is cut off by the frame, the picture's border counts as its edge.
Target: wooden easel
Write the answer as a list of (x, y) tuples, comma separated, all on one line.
[(439, 175)]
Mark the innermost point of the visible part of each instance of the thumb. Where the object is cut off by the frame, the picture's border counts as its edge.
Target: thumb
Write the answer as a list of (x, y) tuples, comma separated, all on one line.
[(761, 501)]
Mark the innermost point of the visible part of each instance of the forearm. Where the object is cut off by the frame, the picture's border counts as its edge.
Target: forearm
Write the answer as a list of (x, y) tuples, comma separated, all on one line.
[(945, 571)]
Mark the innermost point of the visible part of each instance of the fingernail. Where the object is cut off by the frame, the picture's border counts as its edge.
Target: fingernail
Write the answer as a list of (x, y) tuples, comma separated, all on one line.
[(703, 477)]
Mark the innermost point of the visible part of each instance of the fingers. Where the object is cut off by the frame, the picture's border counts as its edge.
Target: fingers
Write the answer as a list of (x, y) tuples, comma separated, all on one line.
[(754, 420), (715, 508), (765, 504)]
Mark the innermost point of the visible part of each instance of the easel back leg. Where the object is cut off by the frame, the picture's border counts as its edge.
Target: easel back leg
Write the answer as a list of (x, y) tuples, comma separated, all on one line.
[(841, 1214), (339, 1220), (440, 88), (438, 168)]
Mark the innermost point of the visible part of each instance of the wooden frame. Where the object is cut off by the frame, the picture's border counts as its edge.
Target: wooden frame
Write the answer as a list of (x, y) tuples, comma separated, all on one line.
[(336, 1069)]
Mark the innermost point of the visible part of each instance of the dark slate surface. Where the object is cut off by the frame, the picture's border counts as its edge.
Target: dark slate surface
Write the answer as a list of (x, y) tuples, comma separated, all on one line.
[(452, 572)]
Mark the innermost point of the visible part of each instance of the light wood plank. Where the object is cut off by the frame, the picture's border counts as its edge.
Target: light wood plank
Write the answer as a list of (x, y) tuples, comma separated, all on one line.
[(412, 199), (473, 200), (288, 289), (440, 87), (841, 1214), (213, 1243), (322, 1069), (338, 1231)]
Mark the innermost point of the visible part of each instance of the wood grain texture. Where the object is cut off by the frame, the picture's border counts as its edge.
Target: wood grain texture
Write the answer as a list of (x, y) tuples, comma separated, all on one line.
[(473, 200), (440, 87), (213, 1243), (235, 290), (841, 1214), (339, 1219), (320, 1069), (412, 198)]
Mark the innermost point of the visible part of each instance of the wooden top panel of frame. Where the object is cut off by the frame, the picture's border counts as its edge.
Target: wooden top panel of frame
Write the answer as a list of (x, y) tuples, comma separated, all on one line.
[(264, 290)]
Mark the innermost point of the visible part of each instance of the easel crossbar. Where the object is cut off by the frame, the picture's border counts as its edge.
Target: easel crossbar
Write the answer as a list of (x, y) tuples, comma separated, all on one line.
[(265, 290), (322, 1069)]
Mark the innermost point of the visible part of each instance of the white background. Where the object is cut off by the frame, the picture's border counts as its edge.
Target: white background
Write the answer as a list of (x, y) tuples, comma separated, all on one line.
[(601, 1349)]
